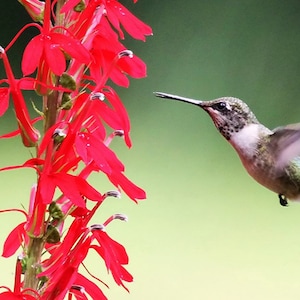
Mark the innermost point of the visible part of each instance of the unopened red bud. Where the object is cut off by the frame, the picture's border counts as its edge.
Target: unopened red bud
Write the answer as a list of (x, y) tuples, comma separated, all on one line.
[(35, 9)]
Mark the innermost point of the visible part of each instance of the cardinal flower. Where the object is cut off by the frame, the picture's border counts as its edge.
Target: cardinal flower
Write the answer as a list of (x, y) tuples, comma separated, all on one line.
[(49, 46), (69, 63), (118, 14), (29, 134)]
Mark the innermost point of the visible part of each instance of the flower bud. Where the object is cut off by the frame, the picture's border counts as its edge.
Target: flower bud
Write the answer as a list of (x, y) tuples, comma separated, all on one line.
[(67, 81), (35, 9)]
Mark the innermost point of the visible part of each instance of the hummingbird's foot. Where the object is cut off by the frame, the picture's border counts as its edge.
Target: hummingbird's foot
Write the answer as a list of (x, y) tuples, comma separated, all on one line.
[(282, 200)]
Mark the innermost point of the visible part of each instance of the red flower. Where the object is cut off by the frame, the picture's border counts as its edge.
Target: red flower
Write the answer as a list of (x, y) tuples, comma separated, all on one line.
[(29, 134), (9, 295), (89, 147), (14, 240), (118, 14), (90, 287), (114, 255), (82, 22), (108, 52), (74, 188), (133, 191), (120, 112), (47, 48), (74, 55), (62, 278)]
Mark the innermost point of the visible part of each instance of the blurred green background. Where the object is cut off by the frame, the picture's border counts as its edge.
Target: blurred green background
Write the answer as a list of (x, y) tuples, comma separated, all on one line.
[(207, 230)]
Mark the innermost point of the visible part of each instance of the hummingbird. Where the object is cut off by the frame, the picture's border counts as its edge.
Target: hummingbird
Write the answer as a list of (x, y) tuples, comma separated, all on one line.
[(271, 157)]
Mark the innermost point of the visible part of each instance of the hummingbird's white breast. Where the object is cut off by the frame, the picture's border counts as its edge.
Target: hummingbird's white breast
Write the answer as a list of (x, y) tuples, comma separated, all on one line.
[(245, 141)]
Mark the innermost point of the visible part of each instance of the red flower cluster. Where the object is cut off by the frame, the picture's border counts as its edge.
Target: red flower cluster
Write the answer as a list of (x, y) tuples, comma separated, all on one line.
[(69, 63)]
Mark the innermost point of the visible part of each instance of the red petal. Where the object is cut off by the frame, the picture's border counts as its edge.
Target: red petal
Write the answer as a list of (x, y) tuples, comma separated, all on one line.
[(134, 66), (14, 240), (117, 104), (46, 188), (32, 55), (72, 46), (109, 115), (133, 191), (97, 148), (87, 190), (69, 5), (91, 288), (26, 83), (114, 255), (16, 296), (55, 58), (135, 27), (119, 78), (68, 185), (113, 19), (91, 148), (4, 100)]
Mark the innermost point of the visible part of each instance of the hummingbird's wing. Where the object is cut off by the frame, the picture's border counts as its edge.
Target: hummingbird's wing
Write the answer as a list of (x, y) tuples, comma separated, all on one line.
[(285, 144)]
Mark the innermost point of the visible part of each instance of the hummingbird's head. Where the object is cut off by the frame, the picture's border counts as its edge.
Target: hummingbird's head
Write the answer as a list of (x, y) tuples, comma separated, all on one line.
[(229, 114)]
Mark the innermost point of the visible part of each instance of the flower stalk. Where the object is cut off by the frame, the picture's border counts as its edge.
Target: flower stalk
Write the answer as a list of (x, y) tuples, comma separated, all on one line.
[(69, 64), (34, 254)]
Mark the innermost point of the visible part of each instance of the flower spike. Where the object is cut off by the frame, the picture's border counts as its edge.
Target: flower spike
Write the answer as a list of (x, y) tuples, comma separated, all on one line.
[(70, 63)]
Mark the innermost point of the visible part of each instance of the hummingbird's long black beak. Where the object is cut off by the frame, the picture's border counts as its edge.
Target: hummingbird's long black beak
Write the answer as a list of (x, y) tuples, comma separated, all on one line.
[(178, 98)]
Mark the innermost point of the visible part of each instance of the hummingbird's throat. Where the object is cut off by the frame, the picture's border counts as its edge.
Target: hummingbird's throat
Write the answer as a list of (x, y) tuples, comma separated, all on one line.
[(226, 126)]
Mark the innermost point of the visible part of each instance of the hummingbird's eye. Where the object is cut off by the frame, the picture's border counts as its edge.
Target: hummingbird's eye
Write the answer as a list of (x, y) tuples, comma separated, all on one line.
[(220, 106)]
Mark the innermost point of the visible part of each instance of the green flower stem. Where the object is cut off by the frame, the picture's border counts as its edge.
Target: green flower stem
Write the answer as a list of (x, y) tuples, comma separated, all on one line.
[(50, 110), (35, 249), (36, 244)]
